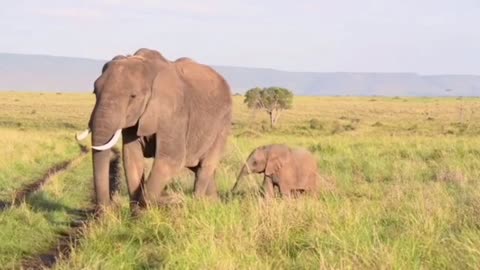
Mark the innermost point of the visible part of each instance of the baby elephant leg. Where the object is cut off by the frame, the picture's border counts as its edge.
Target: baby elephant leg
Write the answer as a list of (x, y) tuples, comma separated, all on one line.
[(268, 191), (285, 190)]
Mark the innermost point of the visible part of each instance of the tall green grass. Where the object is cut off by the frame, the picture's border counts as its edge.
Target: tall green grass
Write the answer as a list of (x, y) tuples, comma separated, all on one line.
[(35, 226), (400, 190), (385, 203), (28, 154)]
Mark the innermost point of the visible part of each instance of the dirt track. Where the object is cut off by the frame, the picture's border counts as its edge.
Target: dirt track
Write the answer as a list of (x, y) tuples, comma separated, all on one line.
[(66, 242), (70, 239), (21, 194)]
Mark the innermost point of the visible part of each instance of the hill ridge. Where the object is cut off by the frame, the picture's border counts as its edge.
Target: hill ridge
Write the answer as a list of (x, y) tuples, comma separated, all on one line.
[(76, 74)]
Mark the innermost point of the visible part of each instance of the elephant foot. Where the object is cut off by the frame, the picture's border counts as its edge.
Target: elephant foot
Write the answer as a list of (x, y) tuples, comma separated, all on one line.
[(170, 200), (165, 201), (136, 210), (101, 210), (212, 198), (209, 197), (136, 207)]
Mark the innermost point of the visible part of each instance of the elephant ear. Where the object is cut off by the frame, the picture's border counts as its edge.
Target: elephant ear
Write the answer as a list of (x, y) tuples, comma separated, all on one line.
[(163, 101), (275, 161)]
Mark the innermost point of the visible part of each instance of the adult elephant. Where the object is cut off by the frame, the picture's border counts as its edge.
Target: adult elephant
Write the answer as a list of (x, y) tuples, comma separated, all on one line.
[(178, 112)]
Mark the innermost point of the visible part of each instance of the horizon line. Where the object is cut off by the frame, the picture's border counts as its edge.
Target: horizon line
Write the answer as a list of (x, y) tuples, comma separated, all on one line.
[(265, 68)]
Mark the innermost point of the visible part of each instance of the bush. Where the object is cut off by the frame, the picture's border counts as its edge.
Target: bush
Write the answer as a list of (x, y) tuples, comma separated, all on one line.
[(337, 128), (355, 120), (349, 127), (414, 127), (315, 124)]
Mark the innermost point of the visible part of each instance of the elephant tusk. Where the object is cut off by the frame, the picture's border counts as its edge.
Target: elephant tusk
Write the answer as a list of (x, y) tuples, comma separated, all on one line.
[(83, 135), (110, 143)]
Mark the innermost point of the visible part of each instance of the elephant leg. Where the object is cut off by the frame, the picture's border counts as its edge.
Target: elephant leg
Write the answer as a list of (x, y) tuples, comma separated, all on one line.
[(212, 188), (268, 187), (134, 168), (162, 172), (205, 175), (285, 191), (203, 178)]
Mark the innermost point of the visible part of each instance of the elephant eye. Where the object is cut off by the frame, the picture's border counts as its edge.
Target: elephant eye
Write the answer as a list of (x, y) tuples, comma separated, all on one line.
[(254, 163), (133, 96)]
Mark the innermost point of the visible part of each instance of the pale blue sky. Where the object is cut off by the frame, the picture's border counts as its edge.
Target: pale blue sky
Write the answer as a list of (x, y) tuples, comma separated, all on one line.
[(424, 36)]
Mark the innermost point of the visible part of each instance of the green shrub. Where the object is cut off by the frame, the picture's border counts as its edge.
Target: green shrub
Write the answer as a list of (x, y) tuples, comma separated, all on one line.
[(316, 124)]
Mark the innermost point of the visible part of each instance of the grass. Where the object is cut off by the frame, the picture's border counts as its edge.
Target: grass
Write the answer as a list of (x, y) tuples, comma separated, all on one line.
[(410, 207), (36, 225), (401, 190), (27, 155)]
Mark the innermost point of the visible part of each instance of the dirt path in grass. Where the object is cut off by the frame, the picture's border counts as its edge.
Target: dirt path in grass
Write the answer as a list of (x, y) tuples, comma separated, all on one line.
[(71, 238), (65, 244), (21, 194)]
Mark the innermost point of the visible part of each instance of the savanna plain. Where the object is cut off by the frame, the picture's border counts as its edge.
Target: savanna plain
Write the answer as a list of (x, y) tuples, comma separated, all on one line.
[(400, 190)]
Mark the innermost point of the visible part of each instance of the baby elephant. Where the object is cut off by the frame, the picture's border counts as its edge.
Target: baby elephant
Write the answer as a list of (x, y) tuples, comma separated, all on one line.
[(291, 170)]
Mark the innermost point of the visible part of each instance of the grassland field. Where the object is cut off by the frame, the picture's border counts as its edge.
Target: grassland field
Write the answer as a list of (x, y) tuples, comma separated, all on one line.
[(400, 190)]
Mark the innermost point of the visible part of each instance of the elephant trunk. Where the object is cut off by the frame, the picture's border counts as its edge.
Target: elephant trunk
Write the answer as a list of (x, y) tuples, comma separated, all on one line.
[(244, 171), (106, 130), (101, 168), (104, 125)]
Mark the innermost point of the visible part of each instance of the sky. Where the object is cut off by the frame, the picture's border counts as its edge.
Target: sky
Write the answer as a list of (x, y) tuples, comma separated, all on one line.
[(422, 36)]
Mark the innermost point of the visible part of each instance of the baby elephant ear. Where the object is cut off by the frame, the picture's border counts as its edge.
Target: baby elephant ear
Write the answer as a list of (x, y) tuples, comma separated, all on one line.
[(274, 164)]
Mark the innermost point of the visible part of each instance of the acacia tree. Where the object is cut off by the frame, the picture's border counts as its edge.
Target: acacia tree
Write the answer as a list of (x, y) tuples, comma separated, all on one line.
[(273, 100)]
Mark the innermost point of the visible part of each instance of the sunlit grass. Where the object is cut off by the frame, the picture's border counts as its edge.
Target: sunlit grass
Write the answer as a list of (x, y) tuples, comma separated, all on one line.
[(35, 226), (28, 154), (396, 203), (401, 190)]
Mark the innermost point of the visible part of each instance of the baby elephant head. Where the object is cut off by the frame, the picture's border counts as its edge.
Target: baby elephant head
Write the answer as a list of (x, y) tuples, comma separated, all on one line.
[(265, 159)]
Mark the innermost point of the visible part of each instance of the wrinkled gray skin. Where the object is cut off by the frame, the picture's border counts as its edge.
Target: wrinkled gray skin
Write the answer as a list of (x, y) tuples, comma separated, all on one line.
[(291, 170), (178, 112)]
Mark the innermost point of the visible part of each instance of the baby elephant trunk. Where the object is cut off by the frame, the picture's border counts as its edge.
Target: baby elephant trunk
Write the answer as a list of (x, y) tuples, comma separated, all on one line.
[(242, 173)]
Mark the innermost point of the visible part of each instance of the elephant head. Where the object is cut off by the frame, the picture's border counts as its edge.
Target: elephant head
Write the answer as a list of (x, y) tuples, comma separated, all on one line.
[(126, 96), (265, 159)]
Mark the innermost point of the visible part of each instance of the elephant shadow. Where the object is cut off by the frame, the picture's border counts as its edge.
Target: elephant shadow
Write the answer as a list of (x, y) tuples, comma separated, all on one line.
[(40, 202)]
